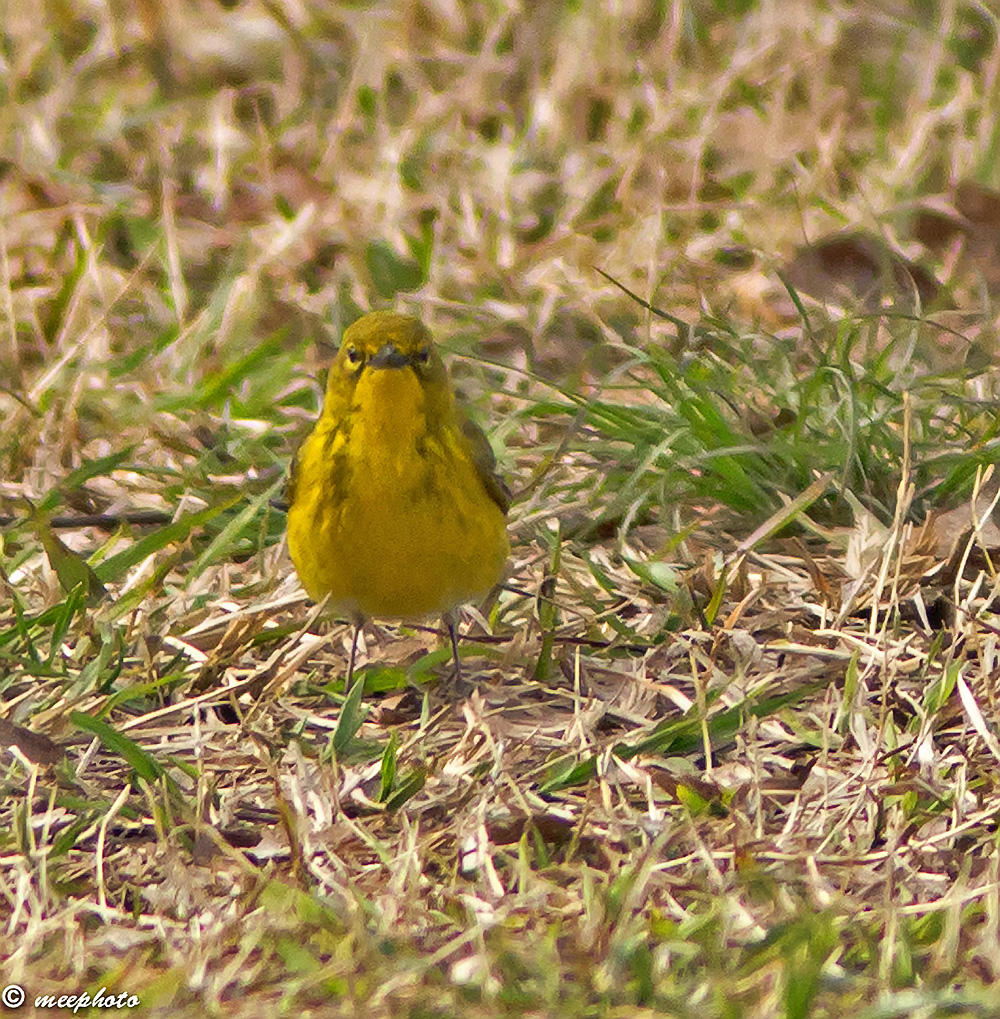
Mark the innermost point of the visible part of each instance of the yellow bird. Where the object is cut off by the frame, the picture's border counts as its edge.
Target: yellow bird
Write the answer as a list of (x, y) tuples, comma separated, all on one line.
[(396, 509)]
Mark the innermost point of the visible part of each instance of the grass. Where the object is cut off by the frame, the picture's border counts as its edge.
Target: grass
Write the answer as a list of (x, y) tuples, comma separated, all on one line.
[(720, 280)]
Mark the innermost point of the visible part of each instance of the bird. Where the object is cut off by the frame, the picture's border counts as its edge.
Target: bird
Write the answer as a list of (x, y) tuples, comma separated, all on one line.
[(396, 507)]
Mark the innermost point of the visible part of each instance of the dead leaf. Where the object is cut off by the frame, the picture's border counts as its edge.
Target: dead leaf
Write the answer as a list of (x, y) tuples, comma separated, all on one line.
[(37, 748), (859, 268)]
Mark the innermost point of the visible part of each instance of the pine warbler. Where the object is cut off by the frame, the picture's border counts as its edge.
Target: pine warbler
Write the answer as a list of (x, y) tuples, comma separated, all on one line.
[(396, 509)]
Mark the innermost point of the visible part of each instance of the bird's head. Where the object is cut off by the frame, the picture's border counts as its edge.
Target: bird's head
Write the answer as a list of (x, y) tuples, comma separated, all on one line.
[(384, 359)]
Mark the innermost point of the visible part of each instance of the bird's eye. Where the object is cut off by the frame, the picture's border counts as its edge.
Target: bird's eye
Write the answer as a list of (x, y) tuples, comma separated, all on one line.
[(354, 356), (422, 356)]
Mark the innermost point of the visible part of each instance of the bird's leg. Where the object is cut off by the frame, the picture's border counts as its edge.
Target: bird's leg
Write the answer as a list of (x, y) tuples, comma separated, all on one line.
[(449, 620), (358, 623)]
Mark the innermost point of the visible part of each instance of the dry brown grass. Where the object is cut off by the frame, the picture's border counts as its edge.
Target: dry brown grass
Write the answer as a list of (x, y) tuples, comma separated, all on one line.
[(725, 752)]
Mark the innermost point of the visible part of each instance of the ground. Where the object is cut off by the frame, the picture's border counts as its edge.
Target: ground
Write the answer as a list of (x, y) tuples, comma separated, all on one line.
[(718, 280)]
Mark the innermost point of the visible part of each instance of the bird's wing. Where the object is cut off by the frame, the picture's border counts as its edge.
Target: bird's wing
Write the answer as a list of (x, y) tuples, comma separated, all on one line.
[(292, 480), (481, 453)]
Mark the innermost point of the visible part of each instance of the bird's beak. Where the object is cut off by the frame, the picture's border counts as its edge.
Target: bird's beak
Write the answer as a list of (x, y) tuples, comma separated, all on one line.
[(388, 356)]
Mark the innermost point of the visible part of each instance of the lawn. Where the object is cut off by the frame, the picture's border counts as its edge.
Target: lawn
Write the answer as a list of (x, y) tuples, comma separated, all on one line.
[(720, 281)]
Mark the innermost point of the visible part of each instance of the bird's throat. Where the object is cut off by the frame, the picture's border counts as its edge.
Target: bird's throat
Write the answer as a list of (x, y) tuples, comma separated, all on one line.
[(390, 418)]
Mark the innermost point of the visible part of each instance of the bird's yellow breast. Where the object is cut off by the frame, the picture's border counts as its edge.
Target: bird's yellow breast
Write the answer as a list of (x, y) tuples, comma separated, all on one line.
[(389, 515)]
